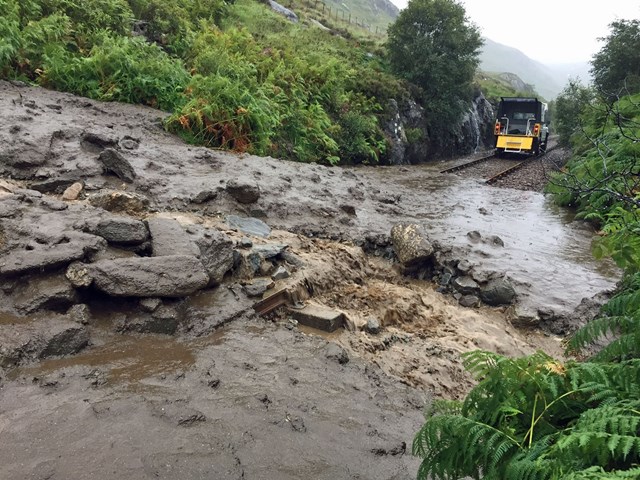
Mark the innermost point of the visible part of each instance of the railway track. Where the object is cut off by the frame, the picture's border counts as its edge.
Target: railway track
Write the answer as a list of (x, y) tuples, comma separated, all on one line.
[(462, 166), (495, 177)]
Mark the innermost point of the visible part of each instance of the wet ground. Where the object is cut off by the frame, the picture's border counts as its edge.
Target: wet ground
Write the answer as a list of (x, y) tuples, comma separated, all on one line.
[(263, 397)]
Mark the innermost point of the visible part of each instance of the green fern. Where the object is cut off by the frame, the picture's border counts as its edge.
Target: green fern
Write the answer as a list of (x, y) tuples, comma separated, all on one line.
[(535, 418)]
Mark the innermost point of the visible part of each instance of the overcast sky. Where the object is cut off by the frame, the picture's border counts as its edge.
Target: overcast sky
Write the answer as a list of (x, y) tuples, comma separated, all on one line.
[(556, 31)]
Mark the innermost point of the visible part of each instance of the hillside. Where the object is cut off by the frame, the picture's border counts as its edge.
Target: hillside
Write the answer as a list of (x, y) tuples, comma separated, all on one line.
[(498, 58)]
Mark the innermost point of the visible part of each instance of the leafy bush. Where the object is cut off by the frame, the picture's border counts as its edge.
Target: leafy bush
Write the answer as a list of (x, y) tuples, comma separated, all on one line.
[(122, 69), (536, 418)]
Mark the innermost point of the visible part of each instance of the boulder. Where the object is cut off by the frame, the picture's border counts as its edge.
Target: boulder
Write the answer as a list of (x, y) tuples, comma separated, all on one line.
[(465, 285), (41, 337), (469, 301), (48, 292), (498, 292), (243, 191), (167, 276), (169, 238), (258, 286), (118, 230), (249, 225), (215, 252), (54, 253), (117, 201), (114, 162), (411, 245)]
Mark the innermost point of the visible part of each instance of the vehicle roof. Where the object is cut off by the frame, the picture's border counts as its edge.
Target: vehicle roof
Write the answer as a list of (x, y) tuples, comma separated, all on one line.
[(519, 99)]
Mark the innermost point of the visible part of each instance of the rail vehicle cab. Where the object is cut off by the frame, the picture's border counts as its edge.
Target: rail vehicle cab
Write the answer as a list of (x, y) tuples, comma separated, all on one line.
[(518, 128)]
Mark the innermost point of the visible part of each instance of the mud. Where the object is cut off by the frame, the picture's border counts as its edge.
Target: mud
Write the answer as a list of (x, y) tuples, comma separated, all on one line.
[(197, 385)]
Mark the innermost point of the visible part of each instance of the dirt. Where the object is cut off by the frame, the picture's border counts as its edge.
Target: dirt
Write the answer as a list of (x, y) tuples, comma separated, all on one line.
[(199, 386)]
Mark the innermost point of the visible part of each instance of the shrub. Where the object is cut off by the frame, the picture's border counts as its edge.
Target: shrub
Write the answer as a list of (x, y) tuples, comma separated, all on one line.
[(122, 69)]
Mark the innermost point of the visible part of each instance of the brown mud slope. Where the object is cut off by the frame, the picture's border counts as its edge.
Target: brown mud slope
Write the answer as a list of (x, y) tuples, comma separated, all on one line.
[(132, 266)]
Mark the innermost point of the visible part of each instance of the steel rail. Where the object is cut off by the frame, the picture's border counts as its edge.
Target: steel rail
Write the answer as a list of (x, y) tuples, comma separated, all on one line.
[(468, 164)]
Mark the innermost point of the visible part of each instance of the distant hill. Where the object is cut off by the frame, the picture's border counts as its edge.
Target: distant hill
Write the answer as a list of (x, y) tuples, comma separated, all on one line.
[(498, 58)]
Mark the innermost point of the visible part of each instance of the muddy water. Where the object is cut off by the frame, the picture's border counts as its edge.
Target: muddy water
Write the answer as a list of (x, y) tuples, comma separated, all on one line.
[(545, 251)]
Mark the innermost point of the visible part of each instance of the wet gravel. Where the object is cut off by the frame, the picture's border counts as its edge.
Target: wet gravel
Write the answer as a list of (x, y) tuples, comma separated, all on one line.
[(536, 173)]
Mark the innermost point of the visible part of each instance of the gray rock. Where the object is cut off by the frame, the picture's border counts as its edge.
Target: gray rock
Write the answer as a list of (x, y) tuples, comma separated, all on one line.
[(465, 285), (281, 273), (474, 236), (164, 320), (243, 191), (524, 318), (45, 292), (64, 338), (98, 141), (249, 225), (117, 201), (204, 196), (118, 229), (283, 11), (411, 244), (258, 286), (498, 292), (245, 242), (464, 266), (494, 240), (169, 238), (373, 325), (52, 185), (469, 301), (80, 313), (114, 162), (335, 352), (150, 304), (216, 253), (54, 253), (168, 276)]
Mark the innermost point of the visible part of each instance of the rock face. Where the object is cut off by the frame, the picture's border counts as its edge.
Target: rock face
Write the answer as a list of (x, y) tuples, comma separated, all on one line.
[(168, 276), (411, 244)]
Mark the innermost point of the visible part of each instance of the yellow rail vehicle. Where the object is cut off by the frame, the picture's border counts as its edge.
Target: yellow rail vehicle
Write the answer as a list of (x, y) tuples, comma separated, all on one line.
[(521, 126)]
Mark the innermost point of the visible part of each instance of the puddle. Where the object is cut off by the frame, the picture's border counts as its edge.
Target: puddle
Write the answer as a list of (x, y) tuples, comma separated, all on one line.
[(10, 319), (321, 333), (128, 359)]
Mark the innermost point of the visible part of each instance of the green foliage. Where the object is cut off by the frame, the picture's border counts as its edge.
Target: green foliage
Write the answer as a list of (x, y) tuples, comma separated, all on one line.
[(569, 106), (616, 67), (432, 45), (536, 418), (174, 24), (619, 322), (119, 68)]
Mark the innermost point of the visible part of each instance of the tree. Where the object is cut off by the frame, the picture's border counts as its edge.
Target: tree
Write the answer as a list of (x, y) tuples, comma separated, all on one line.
[(432, 45), (616, 67), (570, 104)]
